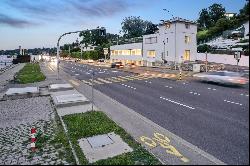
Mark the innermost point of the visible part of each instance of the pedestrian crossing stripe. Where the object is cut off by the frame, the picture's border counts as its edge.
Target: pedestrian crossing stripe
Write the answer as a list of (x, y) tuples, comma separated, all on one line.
[(86, 82), (119, 79), (111, 79), (105, 81), (97, 82), (126, 78)]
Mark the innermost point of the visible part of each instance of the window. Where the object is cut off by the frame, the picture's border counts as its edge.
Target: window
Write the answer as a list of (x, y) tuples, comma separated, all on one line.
[(187, 39), (133, 52), (120, 52), (116, 52), (138, 51), (187, 55), (151, 40), (187, 26), (112, 52), (151, 53)]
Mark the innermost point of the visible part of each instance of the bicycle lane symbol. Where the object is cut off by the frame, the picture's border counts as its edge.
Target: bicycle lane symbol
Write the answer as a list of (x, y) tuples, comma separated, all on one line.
[(164, 142)]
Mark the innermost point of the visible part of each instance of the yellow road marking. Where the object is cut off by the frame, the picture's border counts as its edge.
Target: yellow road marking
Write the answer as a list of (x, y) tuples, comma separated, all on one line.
[(86, 82), (97, 82), (113, 80), (119, 79), (74, 82), (105, 81), (164, 142), (125, 78)]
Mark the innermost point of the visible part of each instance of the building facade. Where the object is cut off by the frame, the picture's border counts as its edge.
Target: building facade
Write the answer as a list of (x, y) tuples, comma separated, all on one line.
[(175, 41)]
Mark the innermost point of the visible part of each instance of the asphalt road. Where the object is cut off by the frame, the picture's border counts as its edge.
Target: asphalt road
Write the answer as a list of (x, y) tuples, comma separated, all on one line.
[(215, 118)]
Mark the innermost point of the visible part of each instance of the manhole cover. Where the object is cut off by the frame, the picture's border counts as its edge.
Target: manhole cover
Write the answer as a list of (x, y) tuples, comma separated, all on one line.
[(100, 141)]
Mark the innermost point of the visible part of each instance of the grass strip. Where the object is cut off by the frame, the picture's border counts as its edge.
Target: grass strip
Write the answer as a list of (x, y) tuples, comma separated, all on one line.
[(30, 73), (96, 123)]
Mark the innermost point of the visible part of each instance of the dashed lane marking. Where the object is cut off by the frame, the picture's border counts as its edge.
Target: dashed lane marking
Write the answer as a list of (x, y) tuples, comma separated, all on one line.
[(177, 103), (232, 102), (194, 93), (128, 86), (168, 86)]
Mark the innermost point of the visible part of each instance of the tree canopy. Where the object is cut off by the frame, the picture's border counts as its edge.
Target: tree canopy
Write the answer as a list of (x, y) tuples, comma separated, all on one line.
[(133, 26)]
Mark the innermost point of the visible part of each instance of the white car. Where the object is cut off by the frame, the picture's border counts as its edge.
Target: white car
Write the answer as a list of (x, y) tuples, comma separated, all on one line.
[(223, 77)]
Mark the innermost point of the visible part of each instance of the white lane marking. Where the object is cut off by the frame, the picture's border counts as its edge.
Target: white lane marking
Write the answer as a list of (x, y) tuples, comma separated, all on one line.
[(195, 93), (244, 95), (211, 88), (128, 86), (232, 102), (100, 72), (77, 74), (169, 87), (177, 103), (114, 71)]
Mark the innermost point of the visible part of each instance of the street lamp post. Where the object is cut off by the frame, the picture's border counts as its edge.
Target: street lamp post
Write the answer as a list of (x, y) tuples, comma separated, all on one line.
[(103, 32)]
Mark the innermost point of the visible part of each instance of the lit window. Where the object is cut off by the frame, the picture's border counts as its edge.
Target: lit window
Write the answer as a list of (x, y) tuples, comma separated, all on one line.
[(138, 52), (187, 26), (120, 52), (187, 55), (151, 53), (116, 52), (187, 39), (112, 52), (133, 52)]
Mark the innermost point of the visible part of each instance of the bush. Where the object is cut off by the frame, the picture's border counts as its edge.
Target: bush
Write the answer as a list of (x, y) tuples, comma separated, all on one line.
[(204, 48)]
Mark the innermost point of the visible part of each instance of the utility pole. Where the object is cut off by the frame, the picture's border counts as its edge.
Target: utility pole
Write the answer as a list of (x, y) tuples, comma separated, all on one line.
[(92, 91)]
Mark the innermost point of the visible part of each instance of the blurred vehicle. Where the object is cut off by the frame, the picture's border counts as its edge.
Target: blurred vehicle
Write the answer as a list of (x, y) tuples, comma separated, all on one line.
[(90, 61), (117, 65), (132, 65), (101, 60), (222, 77)]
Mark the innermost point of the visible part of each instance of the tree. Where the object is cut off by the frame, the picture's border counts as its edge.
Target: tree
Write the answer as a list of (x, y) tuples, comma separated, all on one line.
[(244, 13), (216, 11), (150, 28), (136, 27), (204, 20), (133, 26)]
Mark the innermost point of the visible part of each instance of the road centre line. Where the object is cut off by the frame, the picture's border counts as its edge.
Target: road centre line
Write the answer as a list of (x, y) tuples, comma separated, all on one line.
[(177, 103), (232, 102)]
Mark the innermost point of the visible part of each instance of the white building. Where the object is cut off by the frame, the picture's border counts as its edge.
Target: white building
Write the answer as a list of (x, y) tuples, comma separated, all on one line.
[(246, 27), (174, 42)]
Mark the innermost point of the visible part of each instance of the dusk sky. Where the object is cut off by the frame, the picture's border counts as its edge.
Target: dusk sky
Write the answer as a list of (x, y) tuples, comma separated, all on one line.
[(39, 23)]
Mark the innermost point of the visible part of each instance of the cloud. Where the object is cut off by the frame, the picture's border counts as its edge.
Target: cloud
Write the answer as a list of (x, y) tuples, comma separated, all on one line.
[(14, 22)]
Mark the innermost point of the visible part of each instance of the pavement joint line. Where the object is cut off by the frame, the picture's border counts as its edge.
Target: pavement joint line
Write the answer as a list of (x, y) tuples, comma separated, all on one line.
[(177, 103)]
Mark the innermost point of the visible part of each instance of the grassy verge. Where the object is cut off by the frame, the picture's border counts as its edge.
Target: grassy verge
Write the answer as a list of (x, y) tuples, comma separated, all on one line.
[(95, 123), (29, 74)]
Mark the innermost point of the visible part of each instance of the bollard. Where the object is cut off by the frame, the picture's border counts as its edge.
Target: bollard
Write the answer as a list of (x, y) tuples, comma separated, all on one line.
[(33, 139), (180, 76)]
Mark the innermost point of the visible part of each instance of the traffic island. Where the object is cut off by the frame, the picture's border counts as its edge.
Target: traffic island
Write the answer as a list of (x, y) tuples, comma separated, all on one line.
[(102, 135), (29, 74)]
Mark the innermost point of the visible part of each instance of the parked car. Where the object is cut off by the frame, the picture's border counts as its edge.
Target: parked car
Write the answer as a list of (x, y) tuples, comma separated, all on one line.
[(222, 77), (117, 65)]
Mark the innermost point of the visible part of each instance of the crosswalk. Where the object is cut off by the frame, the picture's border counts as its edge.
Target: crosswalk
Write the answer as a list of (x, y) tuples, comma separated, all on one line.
[(109, 80)]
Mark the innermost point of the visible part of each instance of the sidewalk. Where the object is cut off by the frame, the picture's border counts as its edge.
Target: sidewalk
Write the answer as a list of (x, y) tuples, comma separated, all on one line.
[(166, 146)]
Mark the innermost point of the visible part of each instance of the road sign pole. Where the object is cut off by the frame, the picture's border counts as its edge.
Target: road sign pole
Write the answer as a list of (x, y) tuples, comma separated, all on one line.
[(92, 91)]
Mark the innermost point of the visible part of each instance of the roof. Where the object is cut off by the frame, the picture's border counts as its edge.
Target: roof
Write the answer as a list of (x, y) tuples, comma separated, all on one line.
[(178, 19)]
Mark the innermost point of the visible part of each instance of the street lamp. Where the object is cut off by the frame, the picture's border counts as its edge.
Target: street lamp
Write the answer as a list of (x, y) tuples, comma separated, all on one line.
[(101, 32), (175, 37)]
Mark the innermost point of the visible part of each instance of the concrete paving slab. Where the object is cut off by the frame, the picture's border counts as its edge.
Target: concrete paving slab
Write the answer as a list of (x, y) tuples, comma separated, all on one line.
[(68, 98), (20, 93), (98, 152), (16, 91), (75, 109), (60, 87)]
